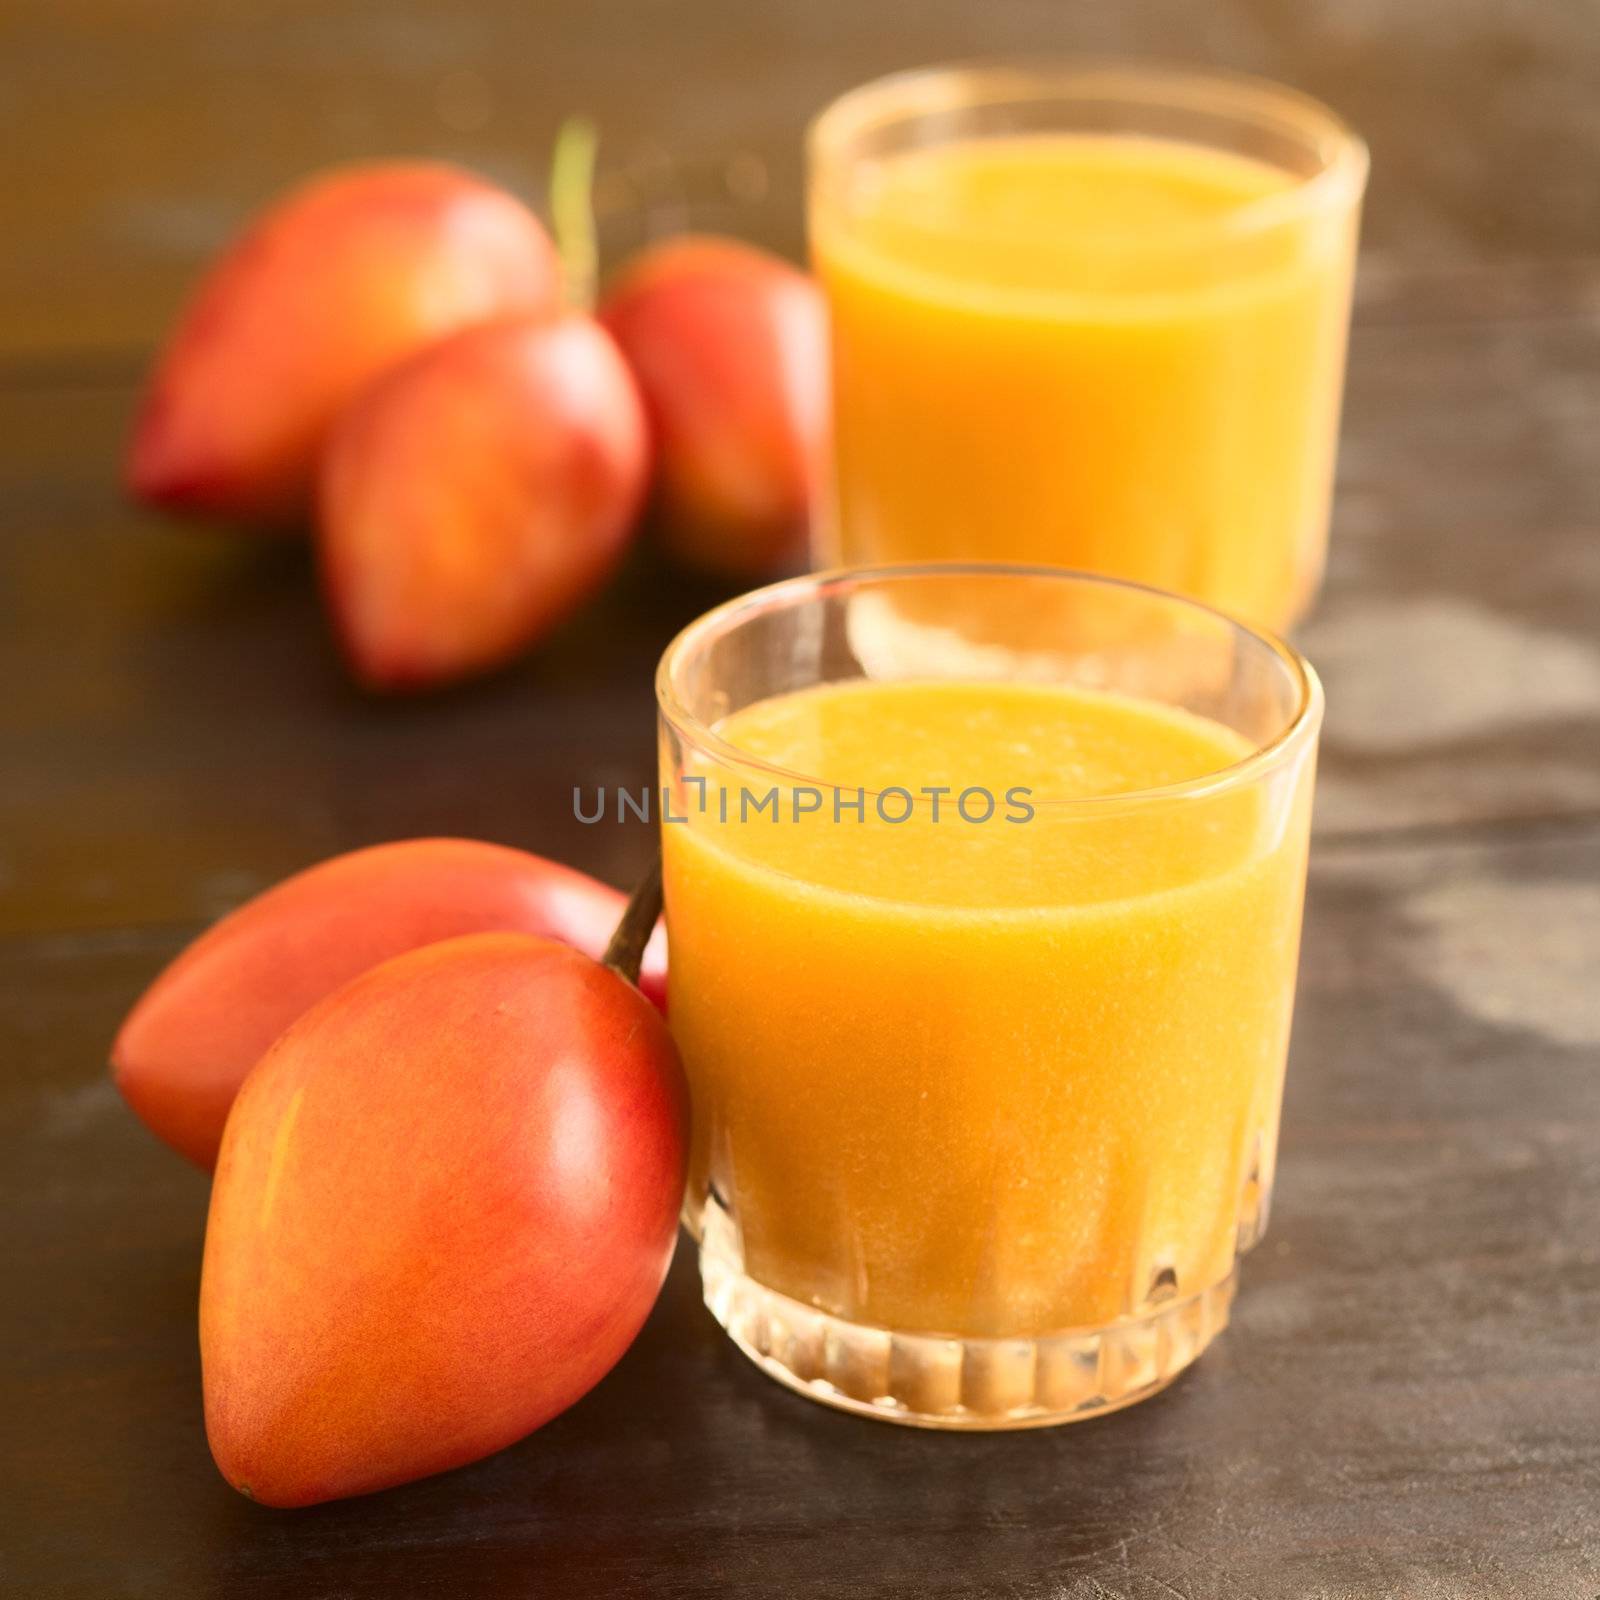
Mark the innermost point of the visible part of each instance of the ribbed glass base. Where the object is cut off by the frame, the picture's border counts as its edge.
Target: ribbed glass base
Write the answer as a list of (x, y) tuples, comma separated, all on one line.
[(927, 1381)]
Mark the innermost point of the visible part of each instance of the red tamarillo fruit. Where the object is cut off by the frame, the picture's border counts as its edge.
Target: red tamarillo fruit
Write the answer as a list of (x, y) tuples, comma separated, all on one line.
[(444, 1206), (209, 1017), (339, 279)]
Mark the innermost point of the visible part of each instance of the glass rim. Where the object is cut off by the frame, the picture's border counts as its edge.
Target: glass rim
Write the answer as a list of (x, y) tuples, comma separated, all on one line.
[(1250, 100), (1300, 726)]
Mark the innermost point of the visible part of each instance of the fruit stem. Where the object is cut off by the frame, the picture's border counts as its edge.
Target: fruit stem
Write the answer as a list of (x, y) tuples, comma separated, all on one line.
[(572, 209), (625, 953)]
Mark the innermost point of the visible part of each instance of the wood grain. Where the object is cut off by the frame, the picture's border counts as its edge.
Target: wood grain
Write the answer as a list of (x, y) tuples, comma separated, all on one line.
[(181, 683), (133, 138), (1405, 1404)]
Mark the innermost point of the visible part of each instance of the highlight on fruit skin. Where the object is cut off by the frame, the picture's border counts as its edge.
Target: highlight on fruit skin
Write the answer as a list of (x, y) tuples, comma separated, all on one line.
[(730, 348), (476, 496), (192, 1037), (348, 273), (445, 1204)]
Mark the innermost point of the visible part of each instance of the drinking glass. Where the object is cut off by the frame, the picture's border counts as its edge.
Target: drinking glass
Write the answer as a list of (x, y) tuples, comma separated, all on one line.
[(985, 1102), (1093, 316)]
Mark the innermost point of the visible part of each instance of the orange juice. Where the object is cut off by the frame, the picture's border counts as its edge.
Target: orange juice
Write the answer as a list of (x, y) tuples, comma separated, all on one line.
[(1000, 1060), (1108, 351)]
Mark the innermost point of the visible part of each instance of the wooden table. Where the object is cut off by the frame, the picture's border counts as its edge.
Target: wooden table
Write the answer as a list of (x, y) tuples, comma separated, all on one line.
[(1408, 1403)]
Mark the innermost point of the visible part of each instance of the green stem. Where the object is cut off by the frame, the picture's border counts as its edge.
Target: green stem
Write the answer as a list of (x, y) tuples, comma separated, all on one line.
[(572, 209)]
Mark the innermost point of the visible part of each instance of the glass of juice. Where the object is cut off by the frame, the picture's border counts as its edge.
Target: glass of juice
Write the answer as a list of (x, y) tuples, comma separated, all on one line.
[(1089, 316), (983, 891)]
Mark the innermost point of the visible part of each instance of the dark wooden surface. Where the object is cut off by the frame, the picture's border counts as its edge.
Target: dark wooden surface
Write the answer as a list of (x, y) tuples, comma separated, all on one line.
[(1408, 1403)]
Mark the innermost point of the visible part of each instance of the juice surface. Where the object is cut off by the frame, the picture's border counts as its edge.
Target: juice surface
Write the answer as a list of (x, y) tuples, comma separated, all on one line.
[(984, 1078), (1102, 351)]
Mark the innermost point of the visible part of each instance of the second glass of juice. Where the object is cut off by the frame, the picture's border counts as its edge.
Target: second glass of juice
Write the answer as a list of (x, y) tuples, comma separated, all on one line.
[(1089, 316), (983, 893)]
